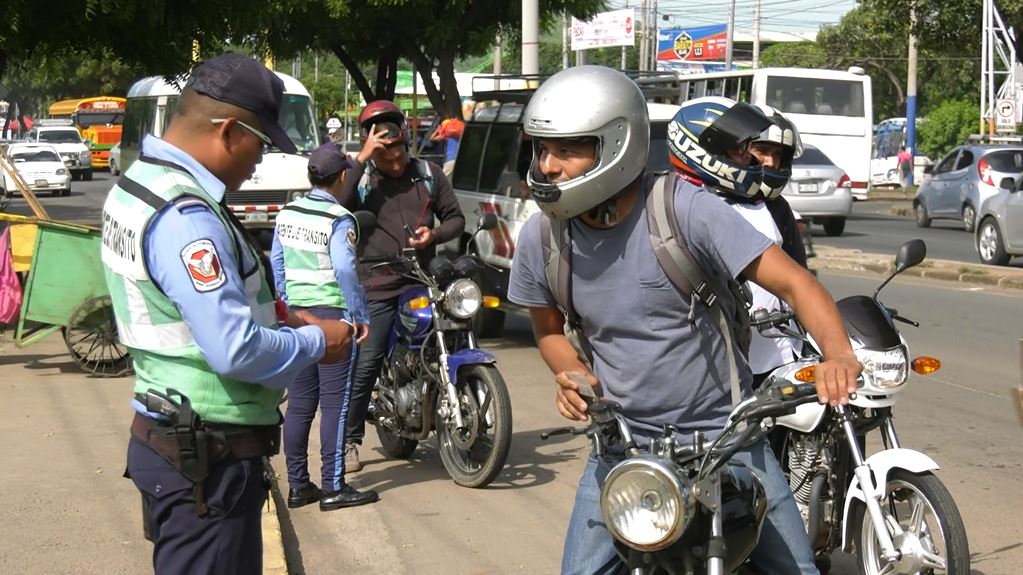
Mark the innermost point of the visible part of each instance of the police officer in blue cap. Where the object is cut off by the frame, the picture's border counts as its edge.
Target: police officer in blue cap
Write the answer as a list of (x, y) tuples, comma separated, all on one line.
[(313, 260), (192, 301)]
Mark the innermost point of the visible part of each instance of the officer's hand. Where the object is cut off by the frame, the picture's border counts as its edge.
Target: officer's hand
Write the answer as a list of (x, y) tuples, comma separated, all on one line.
[(835, 379), (337, 335), (361, 332), (374, 141), (424, 237), (570, 404)]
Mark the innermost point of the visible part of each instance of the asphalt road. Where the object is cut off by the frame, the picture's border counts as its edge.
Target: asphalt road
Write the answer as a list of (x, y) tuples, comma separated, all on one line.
[(83, 206)]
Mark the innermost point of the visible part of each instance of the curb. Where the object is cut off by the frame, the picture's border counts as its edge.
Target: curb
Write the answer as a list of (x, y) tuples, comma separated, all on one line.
[(829, 258), (274, 560)]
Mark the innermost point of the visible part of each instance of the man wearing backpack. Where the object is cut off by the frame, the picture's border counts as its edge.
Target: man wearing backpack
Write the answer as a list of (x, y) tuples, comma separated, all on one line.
[(416, 207), (659, 330)]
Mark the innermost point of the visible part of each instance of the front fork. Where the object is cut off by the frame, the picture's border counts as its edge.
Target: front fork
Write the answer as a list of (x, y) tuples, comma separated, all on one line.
[(872, 494), (445, 379)]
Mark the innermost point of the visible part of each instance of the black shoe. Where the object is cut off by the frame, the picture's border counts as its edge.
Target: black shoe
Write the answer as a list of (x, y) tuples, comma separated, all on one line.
[(348, 496), (304, 495)]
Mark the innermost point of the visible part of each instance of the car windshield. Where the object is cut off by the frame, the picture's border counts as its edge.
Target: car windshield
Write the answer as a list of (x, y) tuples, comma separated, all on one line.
[(1010, 161), (296, 117), (812, 157), (35, 156), (60, 137), (100, 119)]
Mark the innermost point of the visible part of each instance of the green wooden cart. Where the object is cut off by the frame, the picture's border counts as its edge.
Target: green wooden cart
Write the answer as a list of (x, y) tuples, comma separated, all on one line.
[(66, 291)]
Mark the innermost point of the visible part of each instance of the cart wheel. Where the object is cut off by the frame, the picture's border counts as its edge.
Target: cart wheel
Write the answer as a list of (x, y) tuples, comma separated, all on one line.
[(91, 337)]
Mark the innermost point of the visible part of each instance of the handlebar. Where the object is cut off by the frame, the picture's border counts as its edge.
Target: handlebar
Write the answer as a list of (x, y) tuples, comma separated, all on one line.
[(762, 318), (895, 315)]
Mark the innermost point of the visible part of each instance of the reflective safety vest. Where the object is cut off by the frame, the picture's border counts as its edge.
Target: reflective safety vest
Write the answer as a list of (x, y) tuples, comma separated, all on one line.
[(149, 323), (304, 229)]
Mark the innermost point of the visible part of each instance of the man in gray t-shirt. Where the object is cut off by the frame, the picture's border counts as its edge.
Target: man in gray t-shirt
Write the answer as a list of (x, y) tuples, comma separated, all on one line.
[(591, 139)]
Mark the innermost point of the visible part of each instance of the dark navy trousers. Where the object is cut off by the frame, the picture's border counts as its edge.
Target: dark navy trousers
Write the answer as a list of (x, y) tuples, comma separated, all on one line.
[(328, 387), (371, 359), (228, 540)]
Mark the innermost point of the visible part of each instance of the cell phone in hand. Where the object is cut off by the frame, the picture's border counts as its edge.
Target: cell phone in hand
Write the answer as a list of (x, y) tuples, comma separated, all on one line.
[(410, 232)]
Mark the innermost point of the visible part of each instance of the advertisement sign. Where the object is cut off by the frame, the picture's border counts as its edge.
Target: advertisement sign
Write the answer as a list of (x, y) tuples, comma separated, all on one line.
[(696, 49), (617, 28)]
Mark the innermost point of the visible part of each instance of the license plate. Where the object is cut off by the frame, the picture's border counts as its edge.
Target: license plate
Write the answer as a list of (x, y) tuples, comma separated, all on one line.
[(256, 217), (807, 188), (42, 183)]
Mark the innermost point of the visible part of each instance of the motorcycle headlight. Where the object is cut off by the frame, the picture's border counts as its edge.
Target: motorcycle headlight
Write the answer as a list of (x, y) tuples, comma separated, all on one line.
[(463, 298), (885, 368), (645, 504)]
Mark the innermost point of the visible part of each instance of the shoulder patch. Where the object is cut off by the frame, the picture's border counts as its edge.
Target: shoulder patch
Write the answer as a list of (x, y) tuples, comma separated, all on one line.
[(203, 265)]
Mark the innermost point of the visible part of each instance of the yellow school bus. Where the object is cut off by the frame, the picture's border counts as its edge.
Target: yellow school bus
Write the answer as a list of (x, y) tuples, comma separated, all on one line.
[(99, 121)]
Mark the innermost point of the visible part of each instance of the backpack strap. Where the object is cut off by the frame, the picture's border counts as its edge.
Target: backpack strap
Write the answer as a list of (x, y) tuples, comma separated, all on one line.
[(556, 244), (425, 176), (371, 178), (677, 262)]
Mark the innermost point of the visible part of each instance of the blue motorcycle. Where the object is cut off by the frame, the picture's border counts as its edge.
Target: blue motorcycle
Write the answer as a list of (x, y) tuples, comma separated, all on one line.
[(435, 377)]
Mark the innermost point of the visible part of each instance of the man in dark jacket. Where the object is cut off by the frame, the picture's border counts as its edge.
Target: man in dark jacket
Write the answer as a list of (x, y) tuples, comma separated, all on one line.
[(416, 207)]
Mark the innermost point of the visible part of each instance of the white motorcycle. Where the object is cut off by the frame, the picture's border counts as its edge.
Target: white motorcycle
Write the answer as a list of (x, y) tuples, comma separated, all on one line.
[(889, 509)]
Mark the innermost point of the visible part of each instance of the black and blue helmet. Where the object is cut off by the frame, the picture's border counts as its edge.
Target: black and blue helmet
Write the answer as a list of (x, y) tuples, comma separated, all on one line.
[(700, 136)]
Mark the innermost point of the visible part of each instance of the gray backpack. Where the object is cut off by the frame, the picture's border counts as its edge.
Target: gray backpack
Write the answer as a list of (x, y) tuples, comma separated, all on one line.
[(676, 261)]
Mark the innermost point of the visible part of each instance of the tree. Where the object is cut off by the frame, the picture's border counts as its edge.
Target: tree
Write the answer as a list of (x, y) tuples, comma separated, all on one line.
[(799, 54), (946, 126)]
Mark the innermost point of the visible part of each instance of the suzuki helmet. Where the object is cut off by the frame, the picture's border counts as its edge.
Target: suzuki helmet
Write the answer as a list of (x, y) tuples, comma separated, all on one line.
[(588, 102), (702, 132), (784, 133), (387, 113)]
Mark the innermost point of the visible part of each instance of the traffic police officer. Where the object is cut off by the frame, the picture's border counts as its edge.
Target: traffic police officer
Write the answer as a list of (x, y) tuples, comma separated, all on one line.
[(193, 304), (313, 260)]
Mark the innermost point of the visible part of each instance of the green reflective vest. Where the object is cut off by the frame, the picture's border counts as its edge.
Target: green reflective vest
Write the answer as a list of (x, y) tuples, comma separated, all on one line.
[(304, 229), (148, 322)]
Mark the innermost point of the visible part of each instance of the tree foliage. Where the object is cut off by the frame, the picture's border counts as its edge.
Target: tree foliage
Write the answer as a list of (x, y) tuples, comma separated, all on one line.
[(947, 126), (798, 54)]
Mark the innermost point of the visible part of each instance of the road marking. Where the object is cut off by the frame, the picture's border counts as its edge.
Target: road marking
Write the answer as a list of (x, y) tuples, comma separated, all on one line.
[(965, 387)]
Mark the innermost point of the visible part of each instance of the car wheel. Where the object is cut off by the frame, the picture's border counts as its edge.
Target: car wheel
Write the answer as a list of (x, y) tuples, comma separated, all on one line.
[(920, 212), (87, 176), (989, 244), (834, 226), (969, 217), (65, 192)]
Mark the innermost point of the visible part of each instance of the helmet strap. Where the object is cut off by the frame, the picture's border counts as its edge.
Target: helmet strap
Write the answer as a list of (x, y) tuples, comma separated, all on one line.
[(606, 214)]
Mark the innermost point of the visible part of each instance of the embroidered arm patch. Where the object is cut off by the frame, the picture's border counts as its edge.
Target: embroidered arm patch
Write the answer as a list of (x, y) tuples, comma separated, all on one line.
[(203, 265)]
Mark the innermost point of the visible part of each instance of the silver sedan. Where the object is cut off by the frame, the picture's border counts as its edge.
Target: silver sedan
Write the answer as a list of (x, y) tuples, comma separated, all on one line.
[(819, 191)]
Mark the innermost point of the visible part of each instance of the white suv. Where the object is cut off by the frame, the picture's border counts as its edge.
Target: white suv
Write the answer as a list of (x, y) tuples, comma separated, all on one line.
[(69, 145)]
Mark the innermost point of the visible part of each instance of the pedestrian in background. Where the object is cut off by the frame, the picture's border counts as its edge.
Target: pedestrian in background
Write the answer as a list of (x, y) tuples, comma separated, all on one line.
[(193, 302), (905, 159), (450, 132), (313, 258)]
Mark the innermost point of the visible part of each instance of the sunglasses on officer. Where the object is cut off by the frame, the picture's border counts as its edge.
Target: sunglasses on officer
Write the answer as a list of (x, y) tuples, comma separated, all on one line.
[(267, 142)]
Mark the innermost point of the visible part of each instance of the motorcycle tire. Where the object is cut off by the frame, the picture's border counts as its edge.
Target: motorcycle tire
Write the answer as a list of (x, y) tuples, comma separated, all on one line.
[(395, 445), (905, 489), (475, 456)]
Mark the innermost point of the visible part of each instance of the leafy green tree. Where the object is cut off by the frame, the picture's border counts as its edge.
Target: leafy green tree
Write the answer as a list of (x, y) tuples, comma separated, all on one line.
[(799, 54), (947, 126)]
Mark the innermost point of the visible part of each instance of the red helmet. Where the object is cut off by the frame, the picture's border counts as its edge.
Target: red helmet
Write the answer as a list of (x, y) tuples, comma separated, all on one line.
[(383, 111)]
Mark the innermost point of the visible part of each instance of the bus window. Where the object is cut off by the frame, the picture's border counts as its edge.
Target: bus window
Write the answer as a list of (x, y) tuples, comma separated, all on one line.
[(732, 88), (715, 87), (131, 135), (684, 91), (699, 89), (823, 97), (743, 89)]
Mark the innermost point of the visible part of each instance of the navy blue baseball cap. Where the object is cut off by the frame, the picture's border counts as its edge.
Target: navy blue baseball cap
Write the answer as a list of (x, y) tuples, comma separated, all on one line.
[(242, 81), (328, 160)]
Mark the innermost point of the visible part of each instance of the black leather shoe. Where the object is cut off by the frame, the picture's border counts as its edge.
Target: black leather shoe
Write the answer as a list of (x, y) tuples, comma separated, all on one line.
[(348, 496), (303, 496)]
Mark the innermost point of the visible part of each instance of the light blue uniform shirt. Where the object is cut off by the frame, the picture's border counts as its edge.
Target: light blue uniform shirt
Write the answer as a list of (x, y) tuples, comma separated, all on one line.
[(342, 259), (220, 320)]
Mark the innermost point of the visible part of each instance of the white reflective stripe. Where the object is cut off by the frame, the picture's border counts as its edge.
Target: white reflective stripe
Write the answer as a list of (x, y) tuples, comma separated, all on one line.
[(173, 178), (323, 262), (138, 311), (265, 315), (310, 276), (155, 337)]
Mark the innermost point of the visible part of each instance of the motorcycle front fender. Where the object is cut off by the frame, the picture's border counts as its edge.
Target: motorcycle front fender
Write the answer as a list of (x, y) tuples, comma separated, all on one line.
[(464, 357), (881, 464)]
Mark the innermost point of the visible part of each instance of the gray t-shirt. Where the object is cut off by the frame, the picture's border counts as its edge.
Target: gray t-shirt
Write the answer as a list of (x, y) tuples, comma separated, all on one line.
[(647, 355)]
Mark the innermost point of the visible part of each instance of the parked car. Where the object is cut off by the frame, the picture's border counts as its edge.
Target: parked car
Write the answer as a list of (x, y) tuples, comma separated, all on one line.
[(69, 144), (41, 168), (963, 180), (115, 159), (999, 235), (820, 191)]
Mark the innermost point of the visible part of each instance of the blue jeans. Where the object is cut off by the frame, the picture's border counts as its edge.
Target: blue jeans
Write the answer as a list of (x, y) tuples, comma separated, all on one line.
[(783, 546)]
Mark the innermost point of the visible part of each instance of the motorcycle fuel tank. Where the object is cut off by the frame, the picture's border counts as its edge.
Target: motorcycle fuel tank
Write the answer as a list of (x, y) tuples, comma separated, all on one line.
[(413, 323)]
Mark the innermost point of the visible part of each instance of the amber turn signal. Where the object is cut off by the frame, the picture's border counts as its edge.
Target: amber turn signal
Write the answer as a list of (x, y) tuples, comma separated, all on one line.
[(925, 365), (491, 302), (419, 303), (807, 374)]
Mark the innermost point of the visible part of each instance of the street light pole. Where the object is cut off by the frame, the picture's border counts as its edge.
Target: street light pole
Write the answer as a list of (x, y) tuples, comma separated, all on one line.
[(756, 33), (911, 93), (530, 36), (730, 33)]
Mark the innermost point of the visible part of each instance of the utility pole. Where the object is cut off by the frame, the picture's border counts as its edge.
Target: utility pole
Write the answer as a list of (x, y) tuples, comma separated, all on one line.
[(911, 93), (983, 66), (653, 37), (730, 33), (643, 38), (564, 40), (623, 47), (316, 67), (756, 34), (530, 36)]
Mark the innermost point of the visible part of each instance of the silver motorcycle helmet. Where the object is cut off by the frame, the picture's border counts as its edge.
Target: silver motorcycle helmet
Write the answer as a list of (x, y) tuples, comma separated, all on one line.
[(588, 102), (783, 133)]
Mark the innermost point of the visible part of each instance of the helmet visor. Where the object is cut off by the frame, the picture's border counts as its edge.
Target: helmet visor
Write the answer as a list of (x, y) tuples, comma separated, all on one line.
[(738, 125)]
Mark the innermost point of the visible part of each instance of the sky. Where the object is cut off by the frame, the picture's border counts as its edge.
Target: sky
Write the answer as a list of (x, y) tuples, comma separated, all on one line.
[(775, 15)]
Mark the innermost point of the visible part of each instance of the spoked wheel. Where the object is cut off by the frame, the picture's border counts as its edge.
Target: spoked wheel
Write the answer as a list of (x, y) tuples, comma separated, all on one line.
[(475, 454), (91, 338), (925, 526)]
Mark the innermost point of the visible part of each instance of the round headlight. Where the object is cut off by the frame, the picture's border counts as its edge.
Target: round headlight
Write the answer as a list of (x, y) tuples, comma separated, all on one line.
[(645, 504), (463, 298), (885, 369)]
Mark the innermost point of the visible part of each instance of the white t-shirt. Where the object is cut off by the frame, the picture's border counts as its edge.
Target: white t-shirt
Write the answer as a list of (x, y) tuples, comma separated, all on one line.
[(765, 353)]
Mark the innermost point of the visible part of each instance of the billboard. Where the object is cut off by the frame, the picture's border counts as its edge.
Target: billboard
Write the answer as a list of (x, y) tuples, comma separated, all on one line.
[(617, 28), (696, 49)]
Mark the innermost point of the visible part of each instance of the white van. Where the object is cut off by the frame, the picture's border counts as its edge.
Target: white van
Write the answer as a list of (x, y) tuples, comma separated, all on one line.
[(489, 176), (278, 179)]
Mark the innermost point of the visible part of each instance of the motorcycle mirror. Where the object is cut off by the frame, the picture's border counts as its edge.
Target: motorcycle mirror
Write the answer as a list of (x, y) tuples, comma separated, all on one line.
[(910, 254), (487, 221)]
